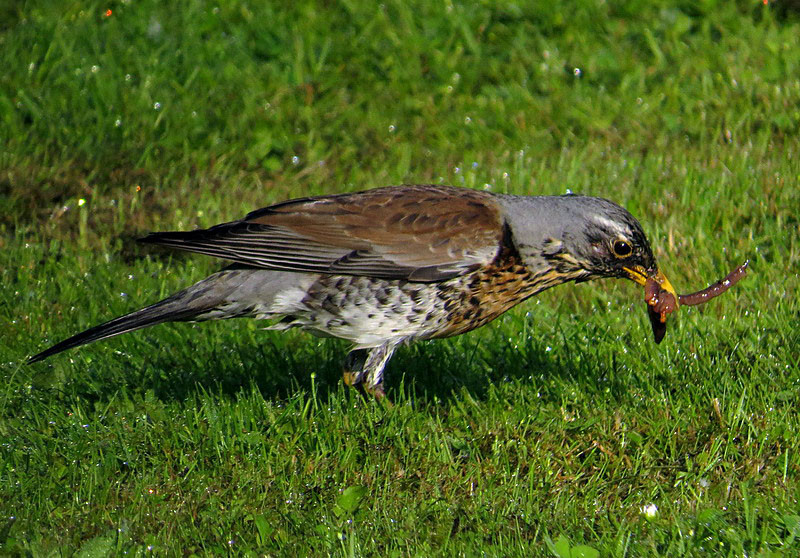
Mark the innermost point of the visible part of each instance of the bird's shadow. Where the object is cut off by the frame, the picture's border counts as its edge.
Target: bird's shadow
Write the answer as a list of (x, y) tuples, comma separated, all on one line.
[(278, 368)]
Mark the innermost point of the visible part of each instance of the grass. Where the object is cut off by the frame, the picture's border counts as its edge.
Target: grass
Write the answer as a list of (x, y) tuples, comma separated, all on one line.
[(558, 430)]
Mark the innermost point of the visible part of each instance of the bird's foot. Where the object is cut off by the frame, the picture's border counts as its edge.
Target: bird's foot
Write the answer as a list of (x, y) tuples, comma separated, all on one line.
[(351, 378), (363, 368), (378, 393)]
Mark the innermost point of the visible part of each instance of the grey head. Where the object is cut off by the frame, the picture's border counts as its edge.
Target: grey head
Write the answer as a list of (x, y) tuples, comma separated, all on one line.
[(578, 237)]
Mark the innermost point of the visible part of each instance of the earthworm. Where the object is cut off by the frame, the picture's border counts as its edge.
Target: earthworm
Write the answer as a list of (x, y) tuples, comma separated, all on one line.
[(659, 300), (661, 303), (651, 288), (714, 290)]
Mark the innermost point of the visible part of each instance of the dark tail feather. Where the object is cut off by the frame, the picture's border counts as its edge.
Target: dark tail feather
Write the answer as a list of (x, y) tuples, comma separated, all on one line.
[(200, 241), (178, 307)]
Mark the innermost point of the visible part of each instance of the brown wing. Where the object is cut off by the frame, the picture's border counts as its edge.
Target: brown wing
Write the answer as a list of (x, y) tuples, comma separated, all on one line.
[(419, 233)]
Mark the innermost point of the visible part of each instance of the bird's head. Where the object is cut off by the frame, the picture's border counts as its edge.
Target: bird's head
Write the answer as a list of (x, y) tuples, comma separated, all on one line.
[(579, 238), (605, 240)]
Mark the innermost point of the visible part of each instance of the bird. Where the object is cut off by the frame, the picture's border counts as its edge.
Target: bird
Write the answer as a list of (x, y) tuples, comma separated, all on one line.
[(388, 266)]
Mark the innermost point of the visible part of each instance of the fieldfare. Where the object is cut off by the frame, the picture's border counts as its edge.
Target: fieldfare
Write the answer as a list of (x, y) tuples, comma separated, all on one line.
[(392, 265)]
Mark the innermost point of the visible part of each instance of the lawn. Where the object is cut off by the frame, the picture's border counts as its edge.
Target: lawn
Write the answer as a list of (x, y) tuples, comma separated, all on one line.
[(559, 430)]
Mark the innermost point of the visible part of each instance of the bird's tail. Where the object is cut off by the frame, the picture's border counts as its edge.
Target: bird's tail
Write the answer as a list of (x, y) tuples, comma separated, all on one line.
[(189, 304)]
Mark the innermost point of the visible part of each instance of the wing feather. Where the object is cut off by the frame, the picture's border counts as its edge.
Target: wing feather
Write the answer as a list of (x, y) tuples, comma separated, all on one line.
[(419, 233)]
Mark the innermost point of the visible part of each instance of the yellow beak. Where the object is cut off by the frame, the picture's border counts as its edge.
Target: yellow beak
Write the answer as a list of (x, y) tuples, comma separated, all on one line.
[(639, 275), (658, 319)]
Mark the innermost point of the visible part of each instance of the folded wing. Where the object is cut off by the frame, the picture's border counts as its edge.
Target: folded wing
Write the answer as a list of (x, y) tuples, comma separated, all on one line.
[(418, 233)]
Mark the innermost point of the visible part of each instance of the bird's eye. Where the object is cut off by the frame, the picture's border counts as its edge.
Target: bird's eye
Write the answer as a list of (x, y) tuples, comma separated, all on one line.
[(621, 249)]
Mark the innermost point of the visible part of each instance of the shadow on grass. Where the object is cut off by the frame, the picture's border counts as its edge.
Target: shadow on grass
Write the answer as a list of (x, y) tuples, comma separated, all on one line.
[(281, 365)]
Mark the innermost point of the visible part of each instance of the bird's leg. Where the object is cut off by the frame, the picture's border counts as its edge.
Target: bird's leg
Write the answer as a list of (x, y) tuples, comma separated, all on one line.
[(366, 365), (354, 366), (373, 368)]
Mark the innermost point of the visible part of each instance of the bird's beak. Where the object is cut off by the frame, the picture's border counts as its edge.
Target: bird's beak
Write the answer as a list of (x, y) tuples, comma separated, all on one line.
[(639, 274)]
